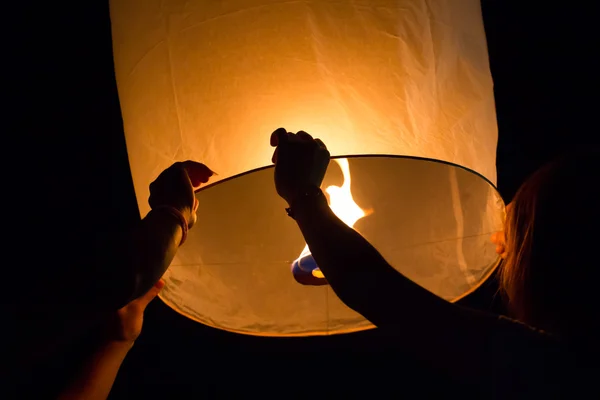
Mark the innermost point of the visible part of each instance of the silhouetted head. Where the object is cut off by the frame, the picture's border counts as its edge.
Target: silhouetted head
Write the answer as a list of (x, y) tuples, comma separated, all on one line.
[(550, 277)]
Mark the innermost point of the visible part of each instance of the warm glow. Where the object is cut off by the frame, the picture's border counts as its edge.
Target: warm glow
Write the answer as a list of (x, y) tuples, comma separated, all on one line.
[(210, 80), (341, 203)]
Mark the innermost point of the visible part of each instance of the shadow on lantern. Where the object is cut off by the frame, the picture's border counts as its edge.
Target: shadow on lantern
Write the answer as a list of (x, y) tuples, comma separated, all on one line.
[(430, 220)]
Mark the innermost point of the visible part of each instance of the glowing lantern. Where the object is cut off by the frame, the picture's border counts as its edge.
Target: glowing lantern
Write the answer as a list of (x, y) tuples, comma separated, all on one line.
[(210, 80)]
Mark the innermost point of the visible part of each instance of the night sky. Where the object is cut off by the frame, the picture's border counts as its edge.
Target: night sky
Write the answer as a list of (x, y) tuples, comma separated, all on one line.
[(66, 175)]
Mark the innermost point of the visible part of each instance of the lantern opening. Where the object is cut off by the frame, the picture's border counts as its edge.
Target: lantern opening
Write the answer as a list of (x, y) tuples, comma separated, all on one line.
[(432, 222)]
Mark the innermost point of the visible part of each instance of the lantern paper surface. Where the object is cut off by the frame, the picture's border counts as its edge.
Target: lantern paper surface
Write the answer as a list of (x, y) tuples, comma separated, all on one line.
[(210, 80), (432, 221)]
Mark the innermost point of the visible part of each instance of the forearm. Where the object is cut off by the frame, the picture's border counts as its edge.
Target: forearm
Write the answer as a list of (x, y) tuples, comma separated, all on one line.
[(154, 247), (99, 373), (131, 264), (447, 335), (358, 274)]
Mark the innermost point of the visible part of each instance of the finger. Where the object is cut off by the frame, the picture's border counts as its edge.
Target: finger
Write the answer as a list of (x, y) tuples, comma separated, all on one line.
[(321, 144), (494, 238), (497, 238), (274, 158), (151, 294), (499, 249), (198, 172), (304, 136), (277, 135)]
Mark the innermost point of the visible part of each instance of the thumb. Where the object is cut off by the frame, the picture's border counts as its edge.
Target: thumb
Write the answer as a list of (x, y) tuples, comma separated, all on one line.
[(278, 136), (197, 172), (151, 294)]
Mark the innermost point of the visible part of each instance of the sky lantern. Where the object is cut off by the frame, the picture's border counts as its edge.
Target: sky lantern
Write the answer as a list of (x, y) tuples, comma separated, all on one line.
[(401, 93)]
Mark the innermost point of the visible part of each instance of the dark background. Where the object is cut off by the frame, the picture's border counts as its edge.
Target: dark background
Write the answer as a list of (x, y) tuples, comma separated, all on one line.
[(65, 163)]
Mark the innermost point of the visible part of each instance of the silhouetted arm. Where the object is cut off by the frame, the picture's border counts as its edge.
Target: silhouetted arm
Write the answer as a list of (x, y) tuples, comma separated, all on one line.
[(137, 259), (98, 375), (359, 275), (462, 341), (140, 257), (477, 348)]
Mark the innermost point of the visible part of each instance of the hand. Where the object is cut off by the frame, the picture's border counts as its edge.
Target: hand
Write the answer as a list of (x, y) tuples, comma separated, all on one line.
[(300, 161), (499, 239), (176, 185), (126, 325)]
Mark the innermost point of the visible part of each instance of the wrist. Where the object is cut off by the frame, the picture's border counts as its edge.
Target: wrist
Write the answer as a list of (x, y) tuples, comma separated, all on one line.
[(309, 200), (175, 215), (186, 212)]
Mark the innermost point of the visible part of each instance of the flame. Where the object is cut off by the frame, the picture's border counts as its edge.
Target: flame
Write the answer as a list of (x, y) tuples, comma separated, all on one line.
[(342, 204)]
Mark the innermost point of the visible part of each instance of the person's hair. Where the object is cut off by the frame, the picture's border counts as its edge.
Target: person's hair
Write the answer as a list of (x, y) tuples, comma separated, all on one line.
[(551, 271)]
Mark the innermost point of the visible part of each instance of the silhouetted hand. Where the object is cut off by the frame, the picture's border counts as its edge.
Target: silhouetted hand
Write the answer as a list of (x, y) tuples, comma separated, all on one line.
[(126, 324), (176, 185), (499, 239), (300, 161)]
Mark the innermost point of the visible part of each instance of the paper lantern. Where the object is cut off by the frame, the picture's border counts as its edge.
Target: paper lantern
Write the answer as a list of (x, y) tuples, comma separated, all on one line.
[(389, 85)]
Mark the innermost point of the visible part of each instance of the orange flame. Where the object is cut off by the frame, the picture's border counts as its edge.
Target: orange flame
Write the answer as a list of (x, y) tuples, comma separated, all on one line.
[(342, 204)]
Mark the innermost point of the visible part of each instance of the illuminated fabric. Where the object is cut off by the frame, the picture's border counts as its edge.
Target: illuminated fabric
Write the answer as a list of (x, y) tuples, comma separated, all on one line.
[(210, 80)]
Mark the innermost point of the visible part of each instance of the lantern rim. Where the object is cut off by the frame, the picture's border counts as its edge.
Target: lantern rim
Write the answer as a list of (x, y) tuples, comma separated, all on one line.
[(350, 156)]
